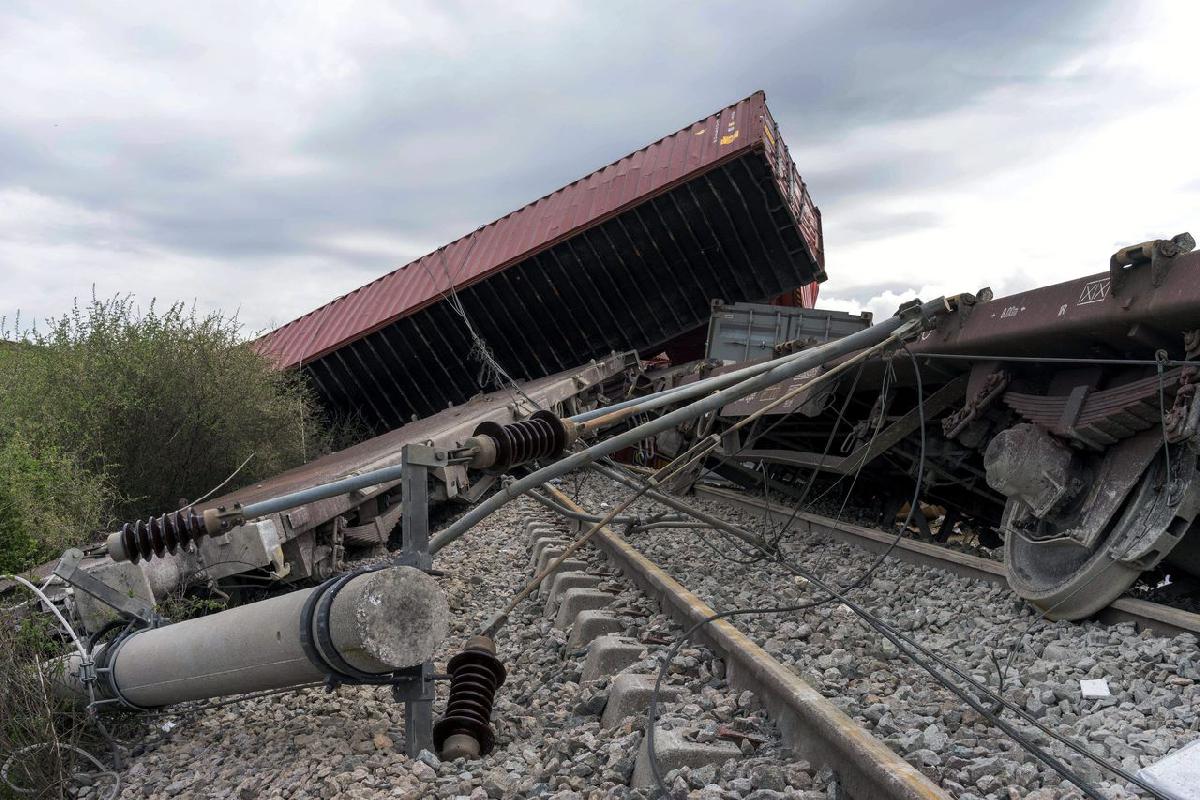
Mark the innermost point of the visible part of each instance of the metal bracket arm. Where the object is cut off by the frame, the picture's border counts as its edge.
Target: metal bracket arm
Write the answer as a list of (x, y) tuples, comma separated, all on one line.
[(68, 569)]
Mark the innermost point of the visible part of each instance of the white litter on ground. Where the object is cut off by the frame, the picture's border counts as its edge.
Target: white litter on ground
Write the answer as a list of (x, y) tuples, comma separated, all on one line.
[(1176, 775), (1094, 687)]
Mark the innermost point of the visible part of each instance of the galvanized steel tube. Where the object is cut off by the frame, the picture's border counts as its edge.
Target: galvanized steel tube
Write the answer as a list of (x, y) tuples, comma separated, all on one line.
[(805, 361), (378, 622)]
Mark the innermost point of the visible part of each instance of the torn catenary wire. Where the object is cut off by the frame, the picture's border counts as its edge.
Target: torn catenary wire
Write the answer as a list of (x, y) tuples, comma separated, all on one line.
[(1116, 362), (225, 482), (916, 652), (102, 770), (898, 637), (680, 463), (809, 359)]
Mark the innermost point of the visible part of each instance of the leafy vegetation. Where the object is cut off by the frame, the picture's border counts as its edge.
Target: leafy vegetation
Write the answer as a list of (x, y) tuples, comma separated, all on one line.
[(112, 413)]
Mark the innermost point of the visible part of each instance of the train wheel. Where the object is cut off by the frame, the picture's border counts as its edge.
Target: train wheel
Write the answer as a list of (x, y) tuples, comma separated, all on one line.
[(1069, 581)]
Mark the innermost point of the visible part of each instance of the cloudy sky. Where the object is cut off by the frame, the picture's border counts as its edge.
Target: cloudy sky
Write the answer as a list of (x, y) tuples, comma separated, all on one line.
[(266, 157)]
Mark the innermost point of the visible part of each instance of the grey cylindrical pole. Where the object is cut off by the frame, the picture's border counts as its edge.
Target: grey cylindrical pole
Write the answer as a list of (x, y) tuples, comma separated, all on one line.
[(379, 622)]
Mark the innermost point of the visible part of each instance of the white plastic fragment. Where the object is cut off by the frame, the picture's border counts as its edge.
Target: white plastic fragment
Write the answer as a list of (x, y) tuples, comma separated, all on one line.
[(1177, 775), (1094, 687)]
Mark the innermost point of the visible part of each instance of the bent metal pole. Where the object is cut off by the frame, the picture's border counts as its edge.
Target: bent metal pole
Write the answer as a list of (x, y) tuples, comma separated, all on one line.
[(808, 360), (377, 622)]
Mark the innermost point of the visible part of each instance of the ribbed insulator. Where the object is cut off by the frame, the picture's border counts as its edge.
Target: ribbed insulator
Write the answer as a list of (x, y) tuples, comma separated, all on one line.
[(475, 675), (158, 536), (543, 435)]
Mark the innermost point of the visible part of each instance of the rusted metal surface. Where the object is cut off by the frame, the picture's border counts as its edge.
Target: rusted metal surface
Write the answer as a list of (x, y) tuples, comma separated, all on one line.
[(1081, 317), (1039, 418), (626, 258), (1098, 418)]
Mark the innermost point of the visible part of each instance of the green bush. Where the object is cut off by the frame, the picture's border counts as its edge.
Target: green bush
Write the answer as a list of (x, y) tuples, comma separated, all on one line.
[(47, 502), (111, 413)]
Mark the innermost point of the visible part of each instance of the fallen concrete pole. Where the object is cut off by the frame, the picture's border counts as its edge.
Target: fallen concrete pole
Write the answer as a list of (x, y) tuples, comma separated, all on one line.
[(378, 622)]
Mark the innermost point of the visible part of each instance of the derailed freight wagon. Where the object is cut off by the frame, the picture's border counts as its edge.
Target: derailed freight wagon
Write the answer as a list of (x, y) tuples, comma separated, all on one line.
[(627, 258), (566, 292), (1064, 419)]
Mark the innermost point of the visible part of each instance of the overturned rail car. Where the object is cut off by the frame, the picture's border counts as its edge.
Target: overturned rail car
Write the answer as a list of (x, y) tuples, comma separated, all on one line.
[(626, 258), (1063, 420)]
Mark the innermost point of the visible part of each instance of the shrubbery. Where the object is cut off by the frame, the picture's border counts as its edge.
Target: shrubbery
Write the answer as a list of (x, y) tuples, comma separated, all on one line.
[(46, 501), (110, 413)]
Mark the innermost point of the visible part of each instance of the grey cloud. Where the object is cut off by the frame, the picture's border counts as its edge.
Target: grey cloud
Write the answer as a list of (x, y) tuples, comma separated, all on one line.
[(870, 226), (425, 145)]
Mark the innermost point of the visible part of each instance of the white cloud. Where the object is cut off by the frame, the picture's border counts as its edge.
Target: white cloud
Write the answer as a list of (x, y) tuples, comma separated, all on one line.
[(55, 254), (270, 158), (1056, 176)]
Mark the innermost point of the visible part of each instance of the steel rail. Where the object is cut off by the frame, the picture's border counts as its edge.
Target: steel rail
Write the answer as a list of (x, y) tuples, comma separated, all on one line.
[(920, 655), (1161, 619), (810, 724)]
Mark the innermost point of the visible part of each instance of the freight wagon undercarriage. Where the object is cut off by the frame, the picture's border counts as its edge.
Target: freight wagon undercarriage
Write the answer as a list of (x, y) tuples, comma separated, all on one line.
[(1062, 421)]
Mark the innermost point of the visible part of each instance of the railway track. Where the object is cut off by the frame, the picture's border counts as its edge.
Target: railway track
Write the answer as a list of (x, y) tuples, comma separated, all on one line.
[(811, 725), (1157, 617), (962, 614), (804, 705)]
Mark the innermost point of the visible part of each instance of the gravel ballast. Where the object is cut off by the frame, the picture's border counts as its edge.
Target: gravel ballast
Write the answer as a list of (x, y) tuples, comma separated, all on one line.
[(1154, 699), (550, 743)]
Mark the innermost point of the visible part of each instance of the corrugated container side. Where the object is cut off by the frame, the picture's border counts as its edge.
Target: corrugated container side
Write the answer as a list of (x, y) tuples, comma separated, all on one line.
[(548, 220)]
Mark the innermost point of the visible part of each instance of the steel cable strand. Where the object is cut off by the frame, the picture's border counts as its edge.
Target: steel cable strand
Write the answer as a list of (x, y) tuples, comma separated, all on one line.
[(775, 555), (774, 541), (665, 473), (851, 344), (85, 656), (916, 486), (101, 768), (812, 477), (897, 637), (888, 376), (479, 347), (900, 642), (698, 450), (910, 647), (704, 446), (725, 459), (998, 700)]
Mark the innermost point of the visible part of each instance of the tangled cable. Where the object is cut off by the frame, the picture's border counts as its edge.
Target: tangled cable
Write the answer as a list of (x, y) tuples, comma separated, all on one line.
[(88, 679), (911, 649)]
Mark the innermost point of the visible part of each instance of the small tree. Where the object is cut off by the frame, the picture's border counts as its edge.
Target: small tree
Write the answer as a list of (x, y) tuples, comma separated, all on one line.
[(140, 410)]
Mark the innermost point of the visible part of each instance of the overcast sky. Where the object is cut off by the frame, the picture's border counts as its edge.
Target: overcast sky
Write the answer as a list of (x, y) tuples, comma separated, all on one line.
[(265, 158)]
